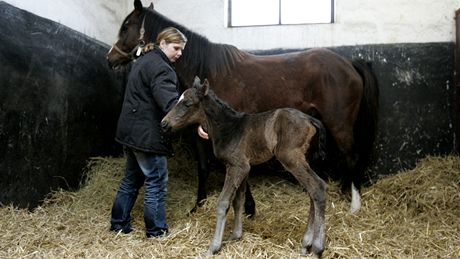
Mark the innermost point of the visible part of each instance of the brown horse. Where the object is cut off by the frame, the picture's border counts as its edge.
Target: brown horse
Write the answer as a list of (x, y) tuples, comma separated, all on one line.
[(343, 94), (241, 140)]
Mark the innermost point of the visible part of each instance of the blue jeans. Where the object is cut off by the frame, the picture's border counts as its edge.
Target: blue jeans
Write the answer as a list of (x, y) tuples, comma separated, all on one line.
[(150, 171)]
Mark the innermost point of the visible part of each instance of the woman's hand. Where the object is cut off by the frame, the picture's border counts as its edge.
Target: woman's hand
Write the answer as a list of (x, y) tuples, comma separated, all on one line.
[(202, 133)]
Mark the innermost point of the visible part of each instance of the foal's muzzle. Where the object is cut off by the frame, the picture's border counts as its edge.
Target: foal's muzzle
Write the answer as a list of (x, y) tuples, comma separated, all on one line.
[(165, 127)]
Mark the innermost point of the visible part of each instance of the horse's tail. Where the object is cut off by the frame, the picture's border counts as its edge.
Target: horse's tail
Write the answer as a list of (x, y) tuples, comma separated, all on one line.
[(319, 141), (365, 129)]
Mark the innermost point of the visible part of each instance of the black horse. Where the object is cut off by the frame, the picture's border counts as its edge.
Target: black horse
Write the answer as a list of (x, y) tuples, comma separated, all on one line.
[(241, 140), (343, 94)]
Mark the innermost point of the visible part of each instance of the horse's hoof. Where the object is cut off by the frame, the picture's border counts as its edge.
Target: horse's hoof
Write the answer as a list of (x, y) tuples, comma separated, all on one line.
[(250, 210), (192, 211), (198, 204)]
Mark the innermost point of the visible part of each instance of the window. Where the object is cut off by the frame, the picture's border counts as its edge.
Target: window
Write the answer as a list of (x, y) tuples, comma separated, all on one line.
[(277, 12)]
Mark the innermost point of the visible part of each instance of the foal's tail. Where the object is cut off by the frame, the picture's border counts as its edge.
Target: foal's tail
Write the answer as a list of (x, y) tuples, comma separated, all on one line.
[(319, 141), (365, 129)]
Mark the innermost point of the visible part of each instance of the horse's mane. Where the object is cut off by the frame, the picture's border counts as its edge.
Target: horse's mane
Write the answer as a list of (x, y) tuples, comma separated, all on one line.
[(201, 57)]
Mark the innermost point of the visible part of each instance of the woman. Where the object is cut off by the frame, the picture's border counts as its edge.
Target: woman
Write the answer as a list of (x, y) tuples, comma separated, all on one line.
[(150, 94)]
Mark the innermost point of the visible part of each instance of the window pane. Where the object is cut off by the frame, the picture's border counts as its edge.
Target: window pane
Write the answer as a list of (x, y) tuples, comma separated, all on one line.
[(254, 12), (305, 11)]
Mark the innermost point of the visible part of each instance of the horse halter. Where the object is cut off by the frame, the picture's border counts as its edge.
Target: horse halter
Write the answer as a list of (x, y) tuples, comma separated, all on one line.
[(137, 50)]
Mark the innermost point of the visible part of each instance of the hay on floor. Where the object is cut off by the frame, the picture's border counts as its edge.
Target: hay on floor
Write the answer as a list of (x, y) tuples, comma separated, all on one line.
[(414, 214)]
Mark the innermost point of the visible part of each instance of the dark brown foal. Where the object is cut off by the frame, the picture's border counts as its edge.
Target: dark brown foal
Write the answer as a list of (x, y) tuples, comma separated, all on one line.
[(241, 140)]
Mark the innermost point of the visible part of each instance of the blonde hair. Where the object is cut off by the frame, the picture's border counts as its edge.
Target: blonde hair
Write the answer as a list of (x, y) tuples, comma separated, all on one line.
[(171, 35)]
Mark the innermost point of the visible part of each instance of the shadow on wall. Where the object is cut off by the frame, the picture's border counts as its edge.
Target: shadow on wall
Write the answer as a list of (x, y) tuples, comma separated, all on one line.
[(59, 103)]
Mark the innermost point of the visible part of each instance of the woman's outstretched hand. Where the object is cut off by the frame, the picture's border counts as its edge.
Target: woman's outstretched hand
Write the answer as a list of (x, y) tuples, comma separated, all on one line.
[(202, 133)]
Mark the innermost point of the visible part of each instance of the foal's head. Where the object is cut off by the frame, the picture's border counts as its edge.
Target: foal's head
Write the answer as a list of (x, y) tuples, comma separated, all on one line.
[(189, 109)]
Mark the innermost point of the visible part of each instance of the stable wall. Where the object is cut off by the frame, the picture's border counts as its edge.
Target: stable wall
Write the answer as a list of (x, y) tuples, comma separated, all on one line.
[(59, 103), (98, 19)]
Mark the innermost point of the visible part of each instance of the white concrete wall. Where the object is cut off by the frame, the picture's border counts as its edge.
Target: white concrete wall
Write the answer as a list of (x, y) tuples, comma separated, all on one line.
[(99, 19), (357, 22)]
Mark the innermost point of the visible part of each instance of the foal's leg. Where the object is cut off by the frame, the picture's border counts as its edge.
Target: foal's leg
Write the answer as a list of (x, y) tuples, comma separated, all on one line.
[(315, 234), (307, 240), (233, 180), (203, 169), (238, 203)]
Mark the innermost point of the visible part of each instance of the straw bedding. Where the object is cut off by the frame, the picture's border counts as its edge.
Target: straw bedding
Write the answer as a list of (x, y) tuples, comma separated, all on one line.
[(413, 214)]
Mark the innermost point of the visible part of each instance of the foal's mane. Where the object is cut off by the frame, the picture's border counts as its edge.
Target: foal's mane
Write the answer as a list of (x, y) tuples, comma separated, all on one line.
[(226, 120), (201, 57), (216, 108)]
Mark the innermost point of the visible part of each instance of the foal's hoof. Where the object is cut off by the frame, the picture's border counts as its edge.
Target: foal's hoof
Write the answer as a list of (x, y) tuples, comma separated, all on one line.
[(234, 236), (317, 252), (212, 250), (304, 251)]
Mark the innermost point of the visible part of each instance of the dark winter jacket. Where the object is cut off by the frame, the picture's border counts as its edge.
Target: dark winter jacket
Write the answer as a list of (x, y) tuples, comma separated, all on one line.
[(150, 93)]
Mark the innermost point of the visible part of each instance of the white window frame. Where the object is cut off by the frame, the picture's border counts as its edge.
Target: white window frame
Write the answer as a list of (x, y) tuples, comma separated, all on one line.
[(277, 14)]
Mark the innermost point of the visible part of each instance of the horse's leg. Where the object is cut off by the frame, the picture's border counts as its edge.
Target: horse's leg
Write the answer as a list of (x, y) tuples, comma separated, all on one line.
[(203, 171), (238, 202), (315, 235), (344, 138), (350, 177), (249, 203), (233, 179), (355, 196)]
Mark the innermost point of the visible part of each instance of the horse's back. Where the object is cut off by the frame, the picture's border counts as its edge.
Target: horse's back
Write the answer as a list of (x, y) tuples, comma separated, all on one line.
[(322, 59), (301, 80)]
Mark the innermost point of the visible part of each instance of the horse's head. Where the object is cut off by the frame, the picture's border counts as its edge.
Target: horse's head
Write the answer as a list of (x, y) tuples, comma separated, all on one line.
[(131, 38), (189, 109)]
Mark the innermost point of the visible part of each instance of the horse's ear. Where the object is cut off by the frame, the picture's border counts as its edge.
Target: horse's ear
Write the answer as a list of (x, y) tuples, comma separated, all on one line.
[(138, 5), (151, 6), (205, 87)]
